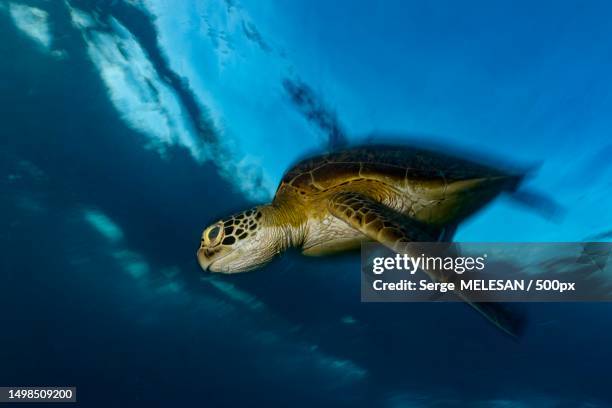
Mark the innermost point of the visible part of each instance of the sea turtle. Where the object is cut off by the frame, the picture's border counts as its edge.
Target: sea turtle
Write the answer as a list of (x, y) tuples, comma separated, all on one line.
[(333, 202)]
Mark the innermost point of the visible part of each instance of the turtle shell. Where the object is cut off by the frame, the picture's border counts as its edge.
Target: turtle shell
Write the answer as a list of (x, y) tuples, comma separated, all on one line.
[(389, 164)]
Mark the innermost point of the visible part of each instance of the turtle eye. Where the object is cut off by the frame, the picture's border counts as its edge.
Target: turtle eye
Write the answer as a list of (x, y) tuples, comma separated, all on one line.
[(213, 235)]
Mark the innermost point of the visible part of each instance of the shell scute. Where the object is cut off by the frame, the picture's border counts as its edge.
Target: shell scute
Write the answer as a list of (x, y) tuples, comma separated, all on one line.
[(331, 174)]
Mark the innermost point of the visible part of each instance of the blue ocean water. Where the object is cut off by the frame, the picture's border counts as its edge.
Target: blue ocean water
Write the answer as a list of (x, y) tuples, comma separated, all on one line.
[(128, 126)]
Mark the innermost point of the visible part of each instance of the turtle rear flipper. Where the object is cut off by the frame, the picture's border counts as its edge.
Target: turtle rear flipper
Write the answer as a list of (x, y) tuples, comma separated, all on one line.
[(538, 202), (394, 230)]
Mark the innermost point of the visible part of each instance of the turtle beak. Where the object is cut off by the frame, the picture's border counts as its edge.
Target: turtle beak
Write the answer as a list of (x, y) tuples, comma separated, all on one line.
[(203, 260)]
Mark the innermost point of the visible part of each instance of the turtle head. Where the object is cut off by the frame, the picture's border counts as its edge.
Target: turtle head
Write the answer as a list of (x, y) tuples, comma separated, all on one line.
[(240, 243)]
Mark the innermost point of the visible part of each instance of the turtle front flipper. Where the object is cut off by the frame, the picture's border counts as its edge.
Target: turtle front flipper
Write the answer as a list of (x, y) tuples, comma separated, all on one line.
[(379, 222), (393, 229)]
